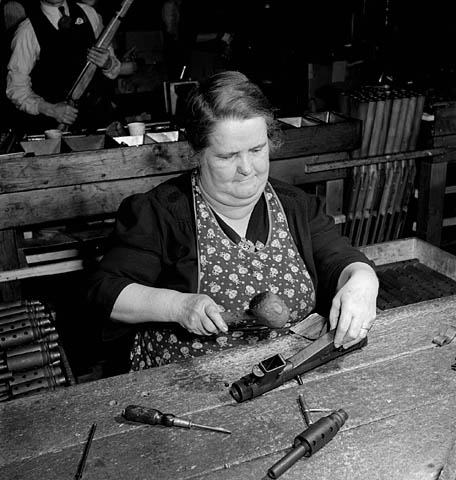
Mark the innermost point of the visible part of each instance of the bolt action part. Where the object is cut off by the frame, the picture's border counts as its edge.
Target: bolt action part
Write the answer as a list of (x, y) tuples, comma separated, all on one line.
[(305, 410), (265, 308), (310, 441), (136, 413)]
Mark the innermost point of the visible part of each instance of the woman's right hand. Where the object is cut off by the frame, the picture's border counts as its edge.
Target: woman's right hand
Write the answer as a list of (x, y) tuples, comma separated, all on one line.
[(199, 314)]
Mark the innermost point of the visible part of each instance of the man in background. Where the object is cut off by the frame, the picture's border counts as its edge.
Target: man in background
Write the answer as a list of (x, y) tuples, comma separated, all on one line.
[(48, 52)]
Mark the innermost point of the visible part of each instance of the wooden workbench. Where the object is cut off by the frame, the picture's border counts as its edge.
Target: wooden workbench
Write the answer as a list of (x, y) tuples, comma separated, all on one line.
[(398, 391)]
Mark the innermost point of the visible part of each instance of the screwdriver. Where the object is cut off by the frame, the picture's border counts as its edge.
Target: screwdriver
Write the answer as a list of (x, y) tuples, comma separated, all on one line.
[(152, 416)]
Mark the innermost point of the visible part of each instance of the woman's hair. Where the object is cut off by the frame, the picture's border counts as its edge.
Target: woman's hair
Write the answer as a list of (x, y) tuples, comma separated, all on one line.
[(226, 95)]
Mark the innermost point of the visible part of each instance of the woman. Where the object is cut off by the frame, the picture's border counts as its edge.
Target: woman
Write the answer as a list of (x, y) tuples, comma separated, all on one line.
[(213, 238)]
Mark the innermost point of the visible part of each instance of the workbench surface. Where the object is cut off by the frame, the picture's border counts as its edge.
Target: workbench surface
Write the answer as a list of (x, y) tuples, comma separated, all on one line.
[(399, 392)]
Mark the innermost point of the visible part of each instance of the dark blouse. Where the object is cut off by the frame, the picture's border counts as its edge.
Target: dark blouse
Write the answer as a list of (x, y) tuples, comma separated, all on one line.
[(154, 242)]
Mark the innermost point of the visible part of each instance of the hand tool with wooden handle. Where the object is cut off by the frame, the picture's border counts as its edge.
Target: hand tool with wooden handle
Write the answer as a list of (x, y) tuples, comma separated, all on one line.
[(152, 416)]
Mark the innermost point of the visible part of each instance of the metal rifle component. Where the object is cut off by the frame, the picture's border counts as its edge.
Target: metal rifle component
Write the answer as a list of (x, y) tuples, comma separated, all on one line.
[(47, 371), (22, 336), (275, 371), (30, 322), (363, 188), (104, 40), (33, 347), (85, 453), (151, 416), (355, 186), (364, 228), (6, 318), (5, 374), (28, 361), (19, 303), (43, 382), (310, 441), (305, 410)]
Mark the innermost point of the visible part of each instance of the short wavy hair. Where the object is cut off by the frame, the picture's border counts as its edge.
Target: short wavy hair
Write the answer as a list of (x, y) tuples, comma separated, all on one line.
[(226, 95)]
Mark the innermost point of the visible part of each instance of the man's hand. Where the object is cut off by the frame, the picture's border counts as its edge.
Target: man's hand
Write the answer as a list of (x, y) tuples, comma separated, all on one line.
[(64, 113), (100, 57), (353, 308)]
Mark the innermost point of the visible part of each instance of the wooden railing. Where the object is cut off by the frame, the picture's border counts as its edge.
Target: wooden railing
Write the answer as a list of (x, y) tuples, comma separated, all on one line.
[(47, 189)]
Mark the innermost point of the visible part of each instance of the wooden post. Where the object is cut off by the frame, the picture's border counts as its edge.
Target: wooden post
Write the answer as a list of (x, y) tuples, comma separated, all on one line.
[(9, 291), (334, 200), (431, 194)]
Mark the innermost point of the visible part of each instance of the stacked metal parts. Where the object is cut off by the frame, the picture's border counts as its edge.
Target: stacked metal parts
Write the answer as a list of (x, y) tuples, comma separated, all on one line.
[(31, 358), (378, 200), (410, 281), (391, 118)]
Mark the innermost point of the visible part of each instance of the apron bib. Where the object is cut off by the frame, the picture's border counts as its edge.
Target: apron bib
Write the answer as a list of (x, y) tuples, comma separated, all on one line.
[(232, 273)]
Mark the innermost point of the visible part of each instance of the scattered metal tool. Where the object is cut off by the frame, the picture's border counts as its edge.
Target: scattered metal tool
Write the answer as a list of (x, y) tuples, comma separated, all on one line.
[(310, 441), (152, 416), (305, 410), (85, 453), (445, 337)]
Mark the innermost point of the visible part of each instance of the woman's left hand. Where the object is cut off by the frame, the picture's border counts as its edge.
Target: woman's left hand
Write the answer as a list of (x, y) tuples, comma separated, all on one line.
[(353, 308)]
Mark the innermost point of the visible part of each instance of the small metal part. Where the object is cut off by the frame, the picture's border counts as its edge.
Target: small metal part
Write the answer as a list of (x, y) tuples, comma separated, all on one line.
[(207, 427), (85, 453), (310, 441), (305, 410), (445, 337)]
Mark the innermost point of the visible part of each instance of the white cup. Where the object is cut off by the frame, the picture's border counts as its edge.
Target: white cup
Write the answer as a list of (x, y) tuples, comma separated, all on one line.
[(137, 128), (53, 133)]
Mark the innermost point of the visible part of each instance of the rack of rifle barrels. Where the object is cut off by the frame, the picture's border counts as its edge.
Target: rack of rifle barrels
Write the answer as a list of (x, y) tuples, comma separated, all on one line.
[(378, 195), (31, 357)]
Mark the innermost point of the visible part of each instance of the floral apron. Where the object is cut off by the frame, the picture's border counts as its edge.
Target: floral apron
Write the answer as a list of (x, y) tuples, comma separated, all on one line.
[(232, 274)]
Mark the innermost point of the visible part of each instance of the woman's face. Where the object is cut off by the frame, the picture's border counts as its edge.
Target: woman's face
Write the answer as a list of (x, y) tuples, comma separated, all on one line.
[(235, 165)]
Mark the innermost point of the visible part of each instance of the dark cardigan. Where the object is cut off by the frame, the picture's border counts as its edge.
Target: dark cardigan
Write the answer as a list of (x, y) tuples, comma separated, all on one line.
[(154, 243)]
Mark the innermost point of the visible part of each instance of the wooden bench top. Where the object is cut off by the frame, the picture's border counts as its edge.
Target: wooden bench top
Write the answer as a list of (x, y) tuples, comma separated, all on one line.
[(398, 391)]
